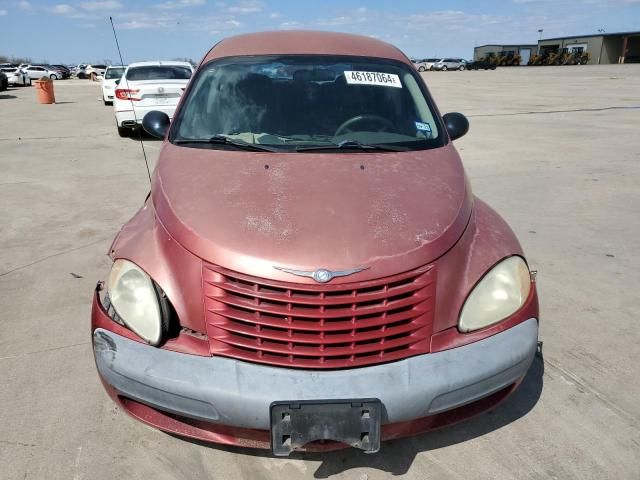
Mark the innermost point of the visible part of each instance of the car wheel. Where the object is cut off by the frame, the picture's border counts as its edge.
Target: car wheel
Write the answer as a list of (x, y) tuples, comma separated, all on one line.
[(106, 102), (54, 76), (461, 68), (421, 69), (445, 68)]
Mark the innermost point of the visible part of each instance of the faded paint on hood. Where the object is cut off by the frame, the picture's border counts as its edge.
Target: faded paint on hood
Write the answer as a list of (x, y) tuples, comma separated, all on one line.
[(249, 211)]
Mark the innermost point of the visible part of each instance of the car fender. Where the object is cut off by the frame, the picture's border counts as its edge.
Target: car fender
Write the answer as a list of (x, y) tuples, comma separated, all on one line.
[(486, 240), (144, 241)]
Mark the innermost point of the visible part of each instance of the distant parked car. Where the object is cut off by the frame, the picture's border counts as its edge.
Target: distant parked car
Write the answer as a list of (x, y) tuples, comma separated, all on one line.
[(78, 70), (147, 86), (110, 81), (64, 71), (4, 82), (480, 65), (450, 64), (16, 76), (426, 64), (36, 72), (94, 71)]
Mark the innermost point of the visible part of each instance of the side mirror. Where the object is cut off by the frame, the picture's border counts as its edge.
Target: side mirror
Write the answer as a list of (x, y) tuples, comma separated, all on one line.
[(156, 123), (457, 125), (118, 82)]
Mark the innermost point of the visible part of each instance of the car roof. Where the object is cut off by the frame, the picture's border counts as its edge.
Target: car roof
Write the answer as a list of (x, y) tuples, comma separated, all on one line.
[(160, 62), (300, 42)]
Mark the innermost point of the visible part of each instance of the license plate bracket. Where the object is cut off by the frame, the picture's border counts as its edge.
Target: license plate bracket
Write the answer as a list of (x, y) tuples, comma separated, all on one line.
[(355, 422)]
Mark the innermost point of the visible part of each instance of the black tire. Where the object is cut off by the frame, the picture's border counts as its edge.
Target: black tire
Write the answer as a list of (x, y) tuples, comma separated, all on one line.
[(461, 68), (106, 102), (421, 69), (445, 68), (53, 76), (124, 132)]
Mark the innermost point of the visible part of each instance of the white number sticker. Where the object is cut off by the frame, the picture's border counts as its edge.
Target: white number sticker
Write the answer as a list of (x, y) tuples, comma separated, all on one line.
[(372, 78)]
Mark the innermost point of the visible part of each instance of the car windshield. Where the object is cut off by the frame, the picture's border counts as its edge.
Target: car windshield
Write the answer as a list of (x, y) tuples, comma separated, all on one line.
[(159, 72), (113, 73), (294, 102)]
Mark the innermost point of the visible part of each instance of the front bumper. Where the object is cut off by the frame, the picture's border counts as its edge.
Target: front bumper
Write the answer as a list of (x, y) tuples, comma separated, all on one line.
[(235, 393)]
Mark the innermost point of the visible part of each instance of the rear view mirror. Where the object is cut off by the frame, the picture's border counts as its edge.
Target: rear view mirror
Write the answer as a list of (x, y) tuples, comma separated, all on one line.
[(156, 123), (457, 124), (118, 82)]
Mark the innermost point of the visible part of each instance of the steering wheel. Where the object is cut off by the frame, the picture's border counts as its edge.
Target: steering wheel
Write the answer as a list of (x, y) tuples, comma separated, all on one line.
[(345, 126)]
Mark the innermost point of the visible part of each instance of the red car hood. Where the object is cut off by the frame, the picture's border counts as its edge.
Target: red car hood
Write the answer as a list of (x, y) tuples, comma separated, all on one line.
[(249, 212)]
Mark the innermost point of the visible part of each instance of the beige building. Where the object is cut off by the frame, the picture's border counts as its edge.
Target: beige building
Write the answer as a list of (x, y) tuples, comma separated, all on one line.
[(603, 48), (525, 51)]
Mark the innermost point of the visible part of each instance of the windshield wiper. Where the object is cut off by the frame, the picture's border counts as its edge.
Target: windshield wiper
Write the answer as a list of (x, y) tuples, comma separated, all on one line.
[(351, 144), (224, 140)]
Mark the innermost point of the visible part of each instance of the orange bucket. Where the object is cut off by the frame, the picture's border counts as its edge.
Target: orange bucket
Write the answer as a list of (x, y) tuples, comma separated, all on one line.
[(44, 88)]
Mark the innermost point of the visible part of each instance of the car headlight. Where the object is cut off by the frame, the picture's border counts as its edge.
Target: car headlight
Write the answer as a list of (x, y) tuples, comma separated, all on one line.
[(134, 298), (499, 294)]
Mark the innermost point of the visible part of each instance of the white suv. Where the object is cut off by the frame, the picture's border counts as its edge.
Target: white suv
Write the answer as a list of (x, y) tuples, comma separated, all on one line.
[(147, 86), (426, 64), (450, 64), (94, 71)]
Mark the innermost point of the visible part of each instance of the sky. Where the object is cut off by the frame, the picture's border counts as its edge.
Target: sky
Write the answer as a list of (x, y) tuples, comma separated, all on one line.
[(78, 31)]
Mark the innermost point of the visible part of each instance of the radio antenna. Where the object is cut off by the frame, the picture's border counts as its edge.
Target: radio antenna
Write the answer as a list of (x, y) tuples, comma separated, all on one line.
[(144, 153)]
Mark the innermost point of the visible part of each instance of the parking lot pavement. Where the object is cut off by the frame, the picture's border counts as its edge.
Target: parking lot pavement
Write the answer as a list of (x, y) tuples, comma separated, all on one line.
[(553, 149)]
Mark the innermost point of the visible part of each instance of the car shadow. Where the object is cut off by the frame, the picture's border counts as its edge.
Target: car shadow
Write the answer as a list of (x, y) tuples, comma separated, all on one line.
[(135, 136), (397, 456), (4, 96)]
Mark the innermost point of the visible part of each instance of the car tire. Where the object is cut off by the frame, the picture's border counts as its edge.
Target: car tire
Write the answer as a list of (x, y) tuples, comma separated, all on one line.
[(461, 68), (445, 68), (124, 132), (421, 69), (53, 76), (107, 102)]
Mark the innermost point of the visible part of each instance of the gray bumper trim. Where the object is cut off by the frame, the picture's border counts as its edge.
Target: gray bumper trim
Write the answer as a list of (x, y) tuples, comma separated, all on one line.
[(233, 392)]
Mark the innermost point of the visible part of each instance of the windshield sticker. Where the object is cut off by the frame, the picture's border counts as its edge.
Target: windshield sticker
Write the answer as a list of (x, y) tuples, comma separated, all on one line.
[(372, 78), (423, 127)]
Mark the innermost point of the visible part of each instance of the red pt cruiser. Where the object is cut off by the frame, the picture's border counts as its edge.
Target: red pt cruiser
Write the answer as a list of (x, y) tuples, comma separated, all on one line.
[(311, 269)]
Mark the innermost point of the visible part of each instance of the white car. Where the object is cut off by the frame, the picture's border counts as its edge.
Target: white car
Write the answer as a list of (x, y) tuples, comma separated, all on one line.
[(147, 86), (15, 76), (111, 77), (426, 64), (93, 71), (78, 70), (36, 72)]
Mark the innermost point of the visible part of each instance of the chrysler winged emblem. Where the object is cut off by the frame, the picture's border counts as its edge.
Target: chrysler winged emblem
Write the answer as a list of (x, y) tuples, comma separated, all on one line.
[(321, 275)]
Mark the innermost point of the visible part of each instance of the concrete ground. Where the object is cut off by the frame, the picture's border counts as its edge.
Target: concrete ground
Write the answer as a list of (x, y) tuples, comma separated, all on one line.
[(554, 149)]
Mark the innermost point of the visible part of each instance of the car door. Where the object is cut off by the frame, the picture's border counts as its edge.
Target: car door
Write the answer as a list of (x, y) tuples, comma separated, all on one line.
[(32, 72)]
